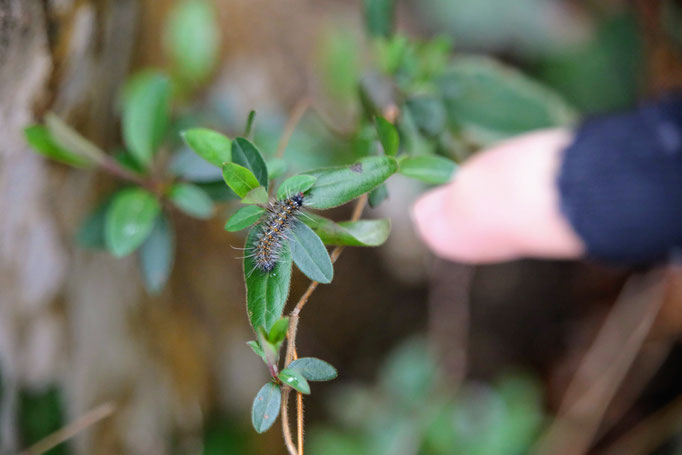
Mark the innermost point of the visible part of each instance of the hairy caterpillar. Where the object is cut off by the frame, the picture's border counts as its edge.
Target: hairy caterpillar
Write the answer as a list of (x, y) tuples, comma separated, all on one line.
[(274, 228)]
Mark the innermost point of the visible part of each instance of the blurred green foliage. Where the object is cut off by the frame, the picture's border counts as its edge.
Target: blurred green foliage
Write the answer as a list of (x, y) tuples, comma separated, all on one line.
[(379, 17), (192, 41), (521, 27), (411, 410), (418, 105), (602, 74), (222, 436), (40, 413)]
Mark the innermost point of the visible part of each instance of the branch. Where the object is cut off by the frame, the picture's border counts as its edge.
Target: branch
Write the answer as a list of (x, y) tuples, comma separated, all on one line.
[(291, 346)]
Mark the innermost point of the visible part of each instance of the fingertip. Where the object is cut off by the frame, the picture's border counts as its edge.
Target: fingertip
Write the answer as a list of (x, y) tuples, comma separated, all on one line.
[(430, 216)]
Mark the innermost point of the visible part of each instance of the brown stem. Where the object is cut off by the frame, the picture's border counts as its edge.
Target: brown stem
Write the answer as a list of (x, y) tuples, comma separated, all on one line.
[(286, 431), (291, 345), (110, 166), (299, 421)]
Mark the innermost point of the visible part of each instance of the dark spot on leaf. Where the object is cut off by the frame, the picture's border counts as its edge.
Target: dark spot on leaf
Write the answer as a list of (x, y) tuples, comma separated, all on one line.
[(357, 167)]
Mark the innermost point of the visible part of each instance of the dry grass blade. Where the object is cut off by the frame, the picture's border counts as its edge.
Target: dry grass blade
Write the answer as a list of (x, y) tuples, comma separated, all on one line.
[(651, 433), (64, 434), (296, 115), (604, 367)]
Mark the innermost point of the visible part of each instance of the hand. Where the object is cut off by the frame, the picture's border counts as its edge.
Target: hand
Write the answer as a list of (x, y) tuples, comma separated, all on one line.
[(503, 204)]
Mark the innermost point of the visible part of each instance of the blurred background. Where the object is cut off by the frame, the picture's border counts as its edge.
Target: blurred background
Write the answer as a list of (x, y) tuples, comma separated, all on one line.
[(434, 358)]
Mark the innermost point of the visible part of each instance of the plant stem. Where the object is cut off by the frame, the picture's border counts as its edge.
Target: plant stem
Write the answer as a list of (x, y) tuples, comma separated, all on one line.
[(286, 431), (110, 166), (291, 353), (296, 115), (299, 421)]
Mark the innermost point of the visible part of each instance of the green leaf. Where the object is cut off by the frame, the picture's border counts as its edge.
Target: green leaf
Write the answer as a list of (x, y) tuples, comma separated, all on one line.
[(256, 196), (428, 113), (246, 154), (145, 114), (39, 138), (91, 231), (71, 140), (296, 184), (414, 142), (338, 185), (244, 217), (255, 347), (314, 369), (130, 219), (428, 168), (489, 101), (157, 254), (212, 146), (295, 380), (388, 136), (278, 331), (392, 53), (239, 179), (379, 17), (249, 124), (310, 254), (378, 195), (276, 167), (192, 200), (270, 350), (192, 39), (266, 292), (433, 57), (350, 233), (266, 407)]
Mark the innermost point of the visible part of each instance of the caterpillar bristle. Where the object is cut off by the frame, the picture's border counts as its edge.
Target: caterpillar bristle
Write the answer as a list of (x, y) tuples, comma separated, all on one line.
[(274, 229)]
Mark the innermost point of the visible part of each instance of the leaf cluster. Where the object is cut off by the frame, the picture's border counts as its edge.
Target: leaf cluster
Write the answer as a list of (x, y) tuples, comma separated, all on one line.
[(136, 217)]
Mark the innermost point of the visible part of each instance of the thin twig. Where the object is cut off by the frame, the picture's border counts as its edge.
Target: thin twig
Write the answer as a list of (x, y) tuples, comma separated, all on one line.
[(299, 416), (291, 346), (296, 115), (88, 419)]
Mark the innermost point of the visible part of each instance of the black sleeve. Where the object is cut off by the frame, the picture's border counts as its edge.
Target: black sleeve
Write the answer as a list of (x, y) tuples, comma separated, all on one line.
[(620, 184)]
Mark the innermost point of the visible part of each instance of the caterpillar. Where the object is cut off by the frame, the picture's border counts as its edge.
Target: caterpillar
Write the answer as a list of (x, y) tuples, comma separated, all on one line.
[(274, 228)]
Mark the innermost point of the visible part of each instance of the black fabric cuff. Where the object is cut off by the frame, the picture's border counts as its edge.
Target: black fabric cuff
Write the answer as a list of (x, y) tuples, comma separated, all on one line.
[(620, 183)]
